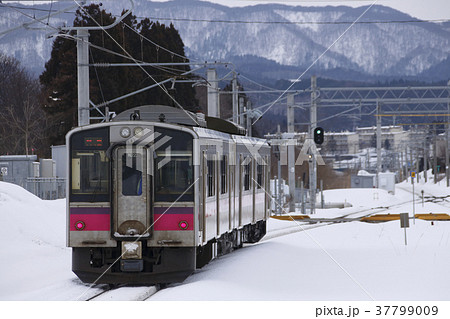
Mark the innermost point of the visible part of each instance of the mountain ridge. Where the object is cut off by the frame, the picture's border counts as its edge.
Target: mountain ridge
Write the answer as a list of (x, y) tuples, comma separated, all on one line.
[(293, 37)]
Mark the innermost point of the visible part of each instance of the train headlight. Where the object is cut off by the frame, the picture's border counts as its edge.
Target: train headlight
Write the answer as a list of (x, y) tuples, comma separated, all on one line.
[(80, 225), (125, 132), (138, 131), (183, 225)]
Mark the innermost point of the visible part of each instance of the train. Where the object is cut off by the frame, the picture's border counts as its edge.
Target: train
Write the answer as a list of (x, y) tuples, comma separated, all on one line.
[(158, 192)]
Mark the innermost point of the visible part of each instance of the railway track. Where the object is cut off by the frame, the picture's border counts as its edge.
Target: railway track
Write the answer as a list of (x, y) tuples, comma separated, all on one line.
[(140, 293), (443, 201), (306, 224), (125, 293)]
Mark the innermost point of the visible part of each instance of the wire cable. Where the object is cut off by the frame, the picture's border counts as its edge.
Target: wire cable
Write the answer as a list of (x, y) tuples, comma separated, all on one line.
[(157, 45), (443, 20), (315, 61), (136, 62), (98, 79), (301, 22), (128, 56)]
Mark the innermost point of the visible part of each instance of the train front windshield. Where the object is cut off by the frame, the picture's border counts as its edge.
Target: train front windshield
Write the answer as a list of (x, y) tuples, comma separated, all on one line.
[(173, 167), (170, 163), (90, 172), (90, 166)]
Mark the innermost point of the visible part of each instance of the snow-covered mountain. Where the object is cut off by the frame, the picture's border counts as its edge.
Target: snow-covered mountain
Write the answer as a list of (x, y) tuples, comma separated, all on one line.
[(285, 36)]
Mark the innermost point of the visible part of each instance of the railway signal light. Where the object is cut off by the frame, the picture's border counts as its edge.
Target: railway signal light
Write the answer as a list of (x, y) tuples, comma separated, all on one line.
[(318, 135)]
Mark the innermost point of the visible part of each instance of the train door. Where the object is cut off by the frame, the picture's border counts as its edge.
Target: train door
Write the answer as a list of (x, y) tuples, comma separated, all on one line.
[(203, 173), (240, 186), (231, 196), (132, 193)]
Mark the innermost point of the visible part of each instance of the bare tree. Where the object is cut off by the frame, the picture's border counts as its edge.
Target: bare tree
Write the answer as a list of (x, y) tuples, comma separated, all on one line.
[(22, 119)]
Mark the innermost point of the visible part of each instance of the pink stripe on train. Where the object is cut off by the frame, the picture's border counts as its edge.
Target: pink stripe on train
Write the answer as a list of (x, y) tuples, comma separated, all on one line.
[(92, 221), (172, 222)]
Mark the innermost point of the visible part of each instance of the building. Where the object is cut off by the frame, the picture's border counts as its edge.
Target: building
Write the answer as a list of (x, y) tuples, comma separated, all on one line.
[(59, 156), (395, 135), (17, 168), (36, 177), (341, 143)]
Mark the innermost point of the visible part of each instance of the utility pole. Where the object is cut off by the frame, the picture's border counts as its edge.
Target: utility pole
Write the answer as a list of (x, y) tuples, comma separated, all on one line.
[(213, 93), (241, 111), (447, 132), (401, 163), (417, 162), (83, 76), (249, 118), (435, 155), (83, 64), (378, 143), (280, 202), (447, 155), (410, 158), (425, 159), (312, 162), (235, 99), (291, 152)]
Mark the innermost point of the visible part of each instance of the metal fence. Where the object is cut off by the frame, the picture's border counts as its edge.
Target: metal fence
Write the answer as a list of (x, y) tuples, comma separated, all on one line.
[(47, 188)]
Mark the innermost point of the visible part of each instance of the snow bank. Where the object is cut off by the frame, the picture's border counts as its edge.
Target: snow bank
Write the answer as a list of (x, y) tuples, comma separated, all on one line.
[(352, 261), (32, 242)]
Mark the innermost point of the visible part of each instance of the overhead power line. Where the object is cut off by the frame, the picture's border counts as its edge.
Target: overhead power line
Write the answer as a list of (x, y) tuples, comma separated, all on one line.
[(154, 43), (261, 22), (298, 22)]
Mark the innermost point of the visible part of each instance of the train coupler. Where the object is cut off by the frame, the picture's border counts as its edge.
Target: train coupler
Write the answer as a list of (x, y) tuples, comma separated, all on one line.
[(131, 257)]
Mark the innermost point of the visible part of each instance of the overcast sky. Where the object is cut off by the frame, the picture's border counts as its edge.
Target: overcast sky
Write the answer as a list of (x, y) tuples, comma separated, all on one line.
[(422, 9)]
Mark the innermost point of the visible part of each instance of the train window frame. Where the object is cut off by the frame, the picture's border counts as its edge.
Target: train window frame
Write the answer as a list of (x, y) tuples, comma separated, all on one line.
[(78, 153), (259, 175), (247, 174), (223, 175), (210, 177), (133, 175), (172, 169), (87, 163), (170, 158)]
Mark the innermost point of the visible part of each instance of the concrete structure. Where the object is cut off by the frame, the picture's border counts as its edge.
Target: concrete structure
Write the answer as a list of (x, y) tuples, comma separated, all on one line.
[(59, 156), (47, 168), (17, 168), (36, 177), (394, 134), (362, 181), (341, 143), (386, 181)]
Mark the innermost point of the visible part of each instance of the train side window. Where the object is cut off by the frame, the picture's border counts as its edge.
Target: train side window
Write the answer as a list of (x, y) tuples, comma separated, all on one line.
[(210, 177), (247, 174), (223, 175), (259, 175)]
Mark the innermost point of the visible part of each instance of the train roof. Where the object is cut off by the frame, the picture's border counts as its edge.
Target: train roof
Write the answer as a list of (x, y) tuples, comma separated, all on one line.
[(173, 115)]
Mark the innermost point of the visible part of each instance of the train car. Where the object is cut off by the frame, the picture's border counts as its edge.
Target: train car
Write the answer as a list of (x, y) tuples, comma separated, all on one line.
[(158, 192)]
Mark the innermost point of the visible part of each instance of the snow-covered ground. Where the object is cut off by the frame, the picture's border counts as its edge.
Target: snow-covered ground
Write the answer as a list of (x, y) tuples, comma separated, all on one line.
[(346, 261)]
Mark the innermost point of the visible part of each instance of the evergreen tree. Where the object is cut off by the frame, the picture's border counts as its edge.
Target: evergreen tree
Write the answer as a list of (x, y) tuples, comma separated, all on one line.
[(132, 41)]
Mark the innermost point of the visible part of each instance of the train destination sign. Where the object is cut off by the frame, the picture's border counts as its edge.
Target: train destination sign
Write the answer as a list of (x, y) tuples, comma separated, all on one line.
[(93, 141)]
